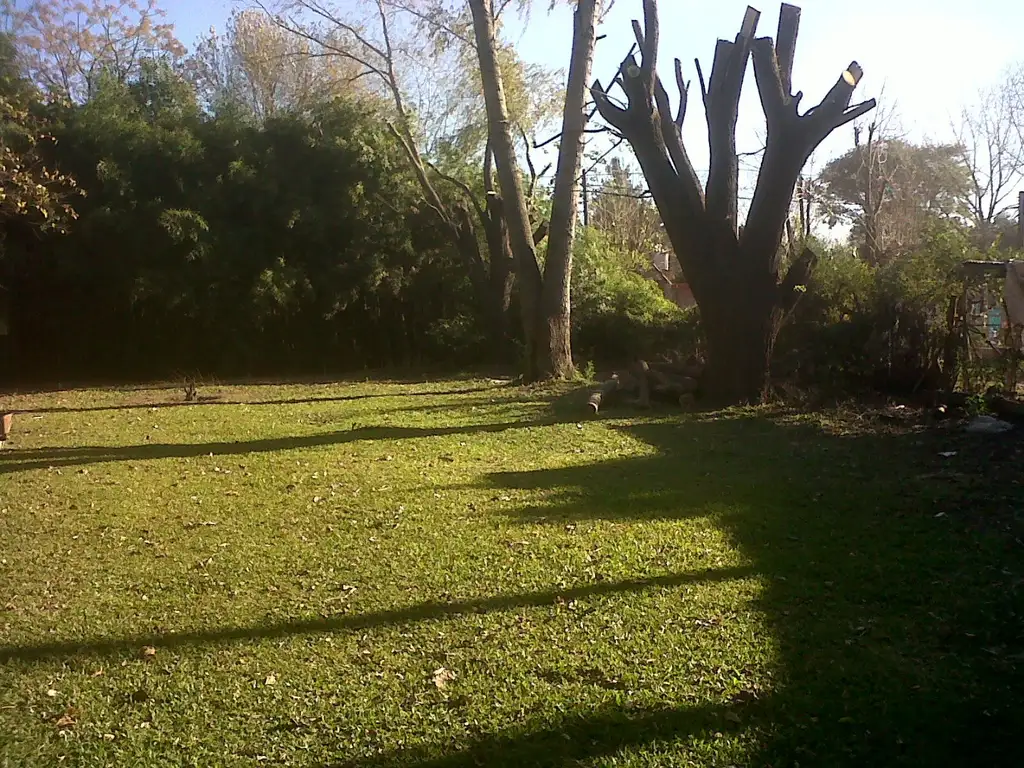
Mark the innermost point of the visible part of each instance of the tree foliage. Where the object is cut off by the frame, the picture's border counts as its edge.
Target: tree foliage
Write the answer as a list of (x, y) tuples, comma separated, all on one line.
[(262, 69), (216, 244), (625, 214), (33, 192), (533, 94), (891, 191), (66, 46), (881, 326), (618, 313)]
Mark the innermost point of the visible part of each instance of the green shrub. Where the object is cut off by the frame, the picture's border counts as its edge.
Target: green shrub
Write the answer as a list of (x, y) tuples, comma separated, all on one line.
[(885, 327), (617, 312), (458, 340)]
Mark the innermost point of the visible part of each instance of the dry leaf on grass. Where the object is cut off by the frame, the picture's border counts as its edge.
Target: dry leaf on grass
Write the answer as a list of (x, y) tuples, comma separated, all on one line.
[(442, 677)]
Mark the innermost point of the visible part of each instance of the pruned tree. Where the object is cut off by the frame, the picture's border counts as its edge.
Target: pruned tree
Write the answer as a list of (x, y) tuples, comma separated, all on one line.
[(734, 271), (65, 46), (545, 294)]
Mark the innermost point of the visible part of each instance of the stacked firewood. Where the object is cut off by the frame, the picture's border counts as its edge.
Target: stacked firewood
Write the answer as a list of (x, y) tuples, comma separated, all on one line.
[(643, 383)]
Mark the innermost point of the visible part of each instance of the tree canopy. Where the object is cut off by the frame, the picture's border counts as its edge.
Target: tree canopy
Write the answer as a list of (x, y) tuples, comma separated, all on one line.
[(66, 46), (33, 192), (891, 190)]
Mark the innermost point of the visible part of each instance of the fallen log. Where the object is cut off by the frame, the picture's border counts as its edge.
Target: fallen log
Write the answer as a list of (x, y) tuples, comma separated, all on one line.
[(1005, 408), (673, 383), (644, 382), (606, 390), (671, 389)]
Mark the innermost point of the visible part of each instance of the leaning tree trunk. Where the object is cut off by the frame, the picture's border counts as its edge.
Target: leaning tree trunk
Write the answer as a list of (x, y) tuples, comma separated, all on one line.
[(510, 183), (554, 325), (544, 296), (734, 272)]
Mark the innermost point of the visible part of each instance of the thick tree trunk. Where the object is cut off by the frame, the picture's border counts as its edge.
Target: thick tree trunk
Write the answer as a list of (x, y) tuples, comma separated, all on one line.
[(517, 217), (501, 282), (555, 352), (501, 275), (740, 345), (544, 297)]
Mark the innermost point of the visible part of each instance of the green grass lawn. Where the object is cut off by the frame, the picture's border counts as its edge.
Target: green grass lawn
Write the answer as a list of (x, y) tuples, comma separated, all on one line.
[(466, 573)]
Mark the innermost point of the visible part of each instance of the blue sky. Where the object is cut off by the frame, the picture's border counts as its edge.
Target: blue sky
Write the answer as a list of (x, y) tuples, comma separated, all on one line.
[(930, 56)]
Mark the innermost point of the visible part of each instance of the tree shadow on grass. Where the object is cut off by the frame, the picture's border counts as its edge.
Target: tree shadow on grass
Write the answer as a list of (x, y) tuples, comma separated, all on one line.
[(45, 458), (896, 622), (898, 631), (209, 400), (896, 628), (568, 740), (428, 611)]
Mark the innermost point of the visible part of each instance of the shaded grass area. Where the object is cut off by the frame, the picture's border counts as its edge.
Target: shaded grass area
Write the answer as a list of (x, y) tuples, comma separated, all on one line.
[(460, 574)]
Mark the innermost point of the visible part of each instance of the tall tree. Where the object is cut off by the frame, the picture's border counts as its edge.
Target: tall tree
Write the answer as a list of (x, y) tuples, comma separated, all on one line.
[(33, 194), (991, 141), (545, 295), (889, 190), (379, 45), (65, 46), (264, 69), (734, 271)]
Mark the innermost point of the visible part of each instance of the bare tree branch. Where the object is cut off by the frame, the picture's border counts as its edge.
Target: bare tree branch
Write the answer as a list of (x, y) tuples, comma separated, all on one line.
[(432, 20), (992, 149)]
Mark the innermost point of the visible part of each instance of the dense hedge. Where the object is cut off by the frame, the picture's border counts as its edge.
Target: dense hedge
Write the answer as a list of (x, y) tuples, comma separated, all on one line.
[(218, 245)]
